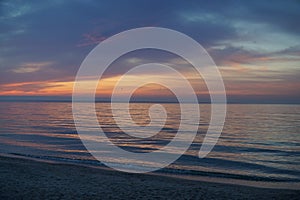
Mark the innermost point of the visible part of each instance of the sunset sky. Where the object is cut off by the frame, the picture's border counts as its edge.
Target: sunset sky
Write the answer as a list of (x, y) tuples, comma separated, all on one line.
[(255, 44)]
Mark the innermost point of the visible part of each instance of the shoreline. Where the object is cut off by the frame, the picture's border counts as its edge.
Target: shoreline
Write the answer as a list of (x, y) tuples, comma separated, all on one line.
[(201, 178), (30, 178)]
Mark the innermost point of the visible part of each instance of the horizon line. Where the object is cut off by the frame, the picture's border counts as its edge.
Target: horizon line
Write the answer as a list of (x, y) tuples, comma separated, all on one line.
[(68, 99)]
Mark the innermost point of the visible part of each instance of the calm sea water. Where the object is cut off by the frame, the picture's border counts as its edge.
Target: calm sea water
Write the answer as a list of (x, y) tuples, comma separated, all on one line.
[(258, 142)]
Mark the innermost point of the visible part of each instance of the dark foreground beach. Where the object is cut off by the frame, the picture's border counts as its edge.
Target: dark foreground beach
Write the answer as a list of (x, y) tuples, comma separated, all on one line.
[(29, 179)]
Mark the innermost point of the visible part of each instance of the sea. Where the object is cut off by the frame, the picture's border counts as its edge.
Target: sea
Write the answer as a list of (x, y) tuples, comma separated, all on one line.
[(260, 143)]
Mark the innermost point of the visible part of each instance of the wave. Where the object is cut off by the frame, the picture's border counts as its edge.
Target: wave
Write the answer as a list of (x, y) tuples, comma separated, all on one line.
[(168, 170)]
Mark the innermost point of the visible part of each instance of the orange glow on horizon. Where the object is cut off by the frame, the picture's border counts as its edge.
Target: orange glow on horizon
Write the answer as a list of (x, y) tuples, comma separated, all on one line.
[(236, 83)]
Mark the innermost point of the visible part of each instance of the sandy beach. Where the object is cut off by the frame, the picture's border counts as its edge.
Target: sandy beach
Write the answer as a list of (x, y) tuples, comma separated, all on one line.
[(29, 179)]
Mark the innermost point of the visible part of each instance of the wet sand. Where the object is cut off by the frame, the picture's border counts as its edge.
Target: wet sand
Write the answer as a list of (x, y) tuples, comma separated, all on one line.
[(29, 179)]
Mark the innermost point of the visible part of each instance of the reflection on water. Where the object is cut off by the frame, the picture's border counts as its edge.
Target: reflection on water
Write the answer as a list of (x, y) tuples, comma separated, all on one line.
[(258, 141)]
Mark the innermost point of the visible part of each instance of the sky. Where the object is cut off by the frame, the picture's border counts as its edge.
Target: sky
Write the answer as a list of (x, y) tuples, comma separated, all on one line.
[(255, 45)]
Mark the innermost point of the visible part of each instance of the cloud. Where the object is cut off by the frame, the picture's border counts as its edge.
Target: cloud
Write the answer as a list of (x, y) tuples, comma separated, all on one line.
[(230, 55), (11, 10), (91, 39), (31, 67), (37, 88), (249, 40)]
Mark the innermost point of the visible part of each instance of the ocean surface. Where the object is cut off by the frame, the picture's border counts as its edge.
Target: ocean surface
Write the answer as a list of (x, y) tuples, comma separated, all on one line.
[(258, 143)]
